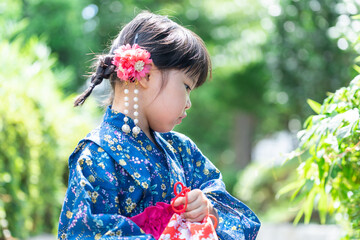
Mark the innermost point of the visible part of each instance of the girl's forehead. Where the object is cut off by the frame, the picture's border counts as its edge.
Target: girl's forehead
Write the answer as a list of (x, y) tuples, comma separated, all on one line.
[(184, 76), (178, 74)]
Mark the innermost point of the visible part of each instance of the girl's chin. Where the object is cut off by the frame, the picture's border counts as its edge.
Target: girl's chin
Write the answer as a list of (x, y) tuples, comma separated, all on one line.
[(165, 129)]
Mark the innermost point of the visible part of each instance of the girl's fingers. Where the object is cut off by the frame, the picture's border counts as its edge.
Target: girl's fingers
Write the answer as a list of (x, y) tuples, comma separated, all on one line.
[(200, 202), (191, 197), (198, 199), (194, 195), (197, 207), (179, 201), (196, 215)]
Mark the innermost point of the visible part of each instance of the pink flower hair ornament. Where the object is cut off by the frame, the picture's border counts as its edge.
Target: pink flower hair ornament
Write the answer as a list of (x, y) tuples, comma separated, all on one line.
[(132, 62)]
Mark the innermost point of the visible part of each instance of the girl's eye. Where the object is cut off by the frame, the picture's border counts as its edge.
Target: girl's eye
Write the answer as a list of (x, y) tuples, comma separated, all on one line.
[(187, 87)]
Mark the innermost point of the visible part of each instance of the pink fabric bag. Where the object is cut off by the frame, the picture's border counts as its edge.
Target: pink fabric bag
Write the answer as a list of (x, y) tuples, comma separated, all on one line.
[(154, 219), (166, 222)]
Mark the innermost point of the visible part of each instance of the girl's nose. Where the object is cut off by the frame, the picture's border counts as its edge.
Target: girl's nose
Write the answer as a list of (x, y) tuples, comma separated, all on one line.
[(188, 103)]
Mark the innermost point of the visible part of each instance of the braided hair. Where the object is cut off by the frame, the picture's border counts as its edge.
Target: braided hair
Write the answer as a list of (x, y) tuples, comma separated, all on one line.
[(104, 70)]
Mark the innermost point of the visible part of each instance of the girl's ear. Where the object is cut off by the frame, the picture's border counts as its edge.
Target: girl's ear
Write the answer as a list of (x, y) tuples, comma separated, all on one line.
[(145, 81)]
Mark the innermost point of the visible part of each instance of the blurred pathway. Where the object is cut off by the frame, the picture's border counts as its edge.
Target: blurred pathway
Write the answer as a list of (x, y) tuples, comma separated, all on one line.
[(278, 232), (299, 232)]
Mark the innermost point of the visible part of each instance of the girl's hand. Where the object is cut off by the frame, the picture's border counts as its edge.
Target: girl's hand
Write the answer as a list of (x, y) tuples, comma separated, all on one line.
[(198, 206)]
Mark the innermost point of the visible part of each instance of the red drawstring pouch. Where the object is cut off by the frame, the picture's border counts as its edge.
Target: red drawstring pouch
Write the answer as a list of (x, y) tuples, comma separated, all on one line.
[(179, 228), (166, 222)]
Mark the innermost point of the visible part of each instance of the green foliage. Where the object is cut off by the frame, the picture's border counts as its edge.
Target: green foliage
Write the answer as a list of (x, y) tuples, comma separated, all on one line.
[(38, 130), (329, 175), (258, 186), (60, 24), (234, 85), (303, 55)]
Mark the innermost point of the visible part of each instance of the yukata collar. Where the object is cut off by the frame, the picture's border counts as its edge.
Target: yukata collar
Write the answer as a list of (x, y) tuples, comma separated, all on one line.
[(116, 119)]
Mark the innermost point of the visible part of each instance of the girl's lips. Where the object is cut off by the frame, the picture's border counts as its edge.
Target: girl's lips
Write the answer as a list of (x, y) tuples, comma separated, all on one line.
[(181, 118)]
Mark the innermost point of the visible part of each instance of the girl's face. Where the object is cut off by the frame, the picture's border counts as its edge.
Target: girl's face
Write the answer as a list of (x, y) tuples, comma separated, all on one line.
[(166, 105)]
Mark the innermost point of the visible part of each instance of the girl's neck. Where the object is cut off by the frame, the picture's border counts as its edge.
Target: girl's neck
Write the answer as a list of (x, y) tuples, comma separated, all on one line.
[(118, 105)]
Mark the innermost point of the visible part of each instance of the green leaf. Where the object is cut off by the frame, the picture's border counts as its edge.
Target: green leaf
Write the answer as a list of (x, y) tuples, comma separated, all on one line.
[(356, 17), (343, 132), (298, 216), (314, 106), (309, 204), (290, 187), (295, 194), (334, 169), (356, 67), (357, 59), (307, 167), (321, 163), (322, 206), (308, 121)]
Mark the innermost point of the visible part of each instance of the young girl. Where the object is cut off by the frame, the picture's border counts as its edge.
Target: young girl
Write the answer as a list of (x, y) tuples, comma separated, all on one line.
[(133, 159)]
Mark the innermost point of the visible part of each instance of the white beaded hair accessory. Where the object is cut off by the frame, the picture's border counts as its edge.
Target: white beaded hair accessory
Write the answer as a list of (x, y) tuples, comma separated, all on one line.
[(132, 63), (126, 128), (136, 129)]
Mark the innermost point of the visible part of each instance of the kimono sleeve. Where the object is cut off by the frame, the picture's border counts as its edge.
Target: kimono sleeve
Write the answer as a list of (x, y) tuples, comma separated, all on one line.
[(236, 220), (91, 209)]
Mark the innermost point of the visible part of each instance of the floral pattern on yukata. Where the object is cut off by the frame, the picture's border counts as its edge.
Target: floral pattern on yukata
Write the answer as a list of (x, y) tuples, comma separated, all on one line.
[(114, 176)]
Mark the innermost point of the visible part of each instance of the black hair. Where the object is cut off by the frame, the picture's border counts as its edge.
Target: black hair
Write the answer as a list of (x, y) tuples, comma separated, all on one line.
[(171, 47)]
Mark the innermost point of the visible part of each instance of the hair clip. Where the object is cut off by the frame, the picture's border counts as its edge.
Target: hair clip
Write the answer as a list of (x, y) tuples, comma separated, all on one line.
[(132, 62)]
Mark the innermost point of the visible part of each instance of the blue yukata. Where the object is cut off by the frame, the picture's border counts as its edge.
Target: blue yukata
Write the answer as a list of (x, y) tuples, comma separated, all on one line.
[(114, 176)]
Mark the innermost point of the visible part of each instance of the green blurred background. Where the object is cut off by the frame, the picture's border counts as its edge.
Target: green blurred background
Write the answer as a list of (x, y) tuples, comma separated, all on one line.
[(269, 57)]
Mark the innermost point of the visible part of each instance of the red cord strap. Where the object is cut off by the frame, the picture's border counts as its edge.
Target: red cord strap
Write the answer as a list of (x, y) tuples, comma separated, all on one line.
[(183, 193)]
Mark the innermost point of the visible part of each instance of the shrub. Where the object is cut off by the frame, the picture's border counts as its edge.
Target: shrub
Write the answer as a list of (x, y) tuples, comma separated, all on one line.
[(38, 130), (329, 173)]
